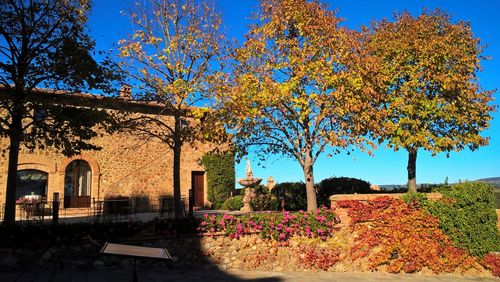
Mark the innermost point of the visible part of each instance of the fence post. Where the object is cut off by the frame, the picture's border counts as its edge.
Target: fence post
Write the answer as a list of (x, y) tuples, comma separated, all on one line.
[(191, 201), (55, 208)]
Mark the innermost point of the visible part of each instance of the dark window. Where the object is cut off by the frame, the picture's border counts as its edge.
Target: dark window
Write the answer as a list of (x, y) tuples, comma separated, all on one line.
[(31, 182)]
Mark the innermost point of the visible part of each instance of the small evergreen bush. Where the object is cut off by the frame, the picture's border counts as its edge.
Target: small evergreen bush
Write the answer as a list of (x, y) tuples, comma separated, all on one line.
[(233, 203), (414, 197)]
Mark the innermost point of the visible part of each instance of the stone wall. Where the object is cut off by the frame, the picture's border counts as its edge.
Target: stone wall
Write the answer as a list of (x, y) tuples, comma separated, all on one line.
[(498, 217), (127, 165)]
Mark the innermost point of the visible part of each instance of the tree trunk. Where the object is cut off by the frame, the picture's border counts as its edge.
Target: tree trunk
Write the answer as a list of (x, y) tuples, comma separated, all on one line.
[(412, 170), (177, 169), (312, 203), (10, 195)]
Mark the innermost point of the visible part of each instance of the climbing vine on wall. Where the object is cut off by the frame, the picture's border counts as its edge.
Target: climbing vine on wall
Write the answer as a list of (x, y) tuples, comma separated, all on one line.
[(220, 177)]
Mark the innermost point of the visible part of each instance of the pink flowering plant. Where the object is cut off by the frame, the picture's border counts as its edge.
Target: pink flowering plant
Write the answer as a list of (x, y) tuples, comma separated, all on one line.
[(275, 226)]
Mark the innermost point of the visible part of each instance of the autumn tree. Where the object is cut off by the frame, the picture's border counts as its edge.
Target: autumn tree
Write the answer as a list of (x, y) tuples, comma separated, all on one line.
[(171, 58), (45, 52), (428, 68), (295, 89)]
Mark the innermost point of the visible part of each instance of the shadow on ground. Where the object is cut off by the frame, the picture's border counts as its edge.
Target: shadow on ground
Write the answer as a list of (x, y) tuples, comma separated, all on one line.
[(71, 252)]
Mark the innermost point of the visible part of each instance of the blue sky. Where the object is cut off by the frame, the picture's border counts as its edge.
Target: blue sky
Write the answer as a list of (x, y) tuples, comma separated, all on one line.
[(108, 25)]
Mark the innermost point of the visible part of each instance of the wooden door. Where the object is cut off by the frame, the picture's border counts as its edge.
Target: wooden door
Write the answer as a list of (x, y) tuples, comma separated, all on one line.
[(198, 186)]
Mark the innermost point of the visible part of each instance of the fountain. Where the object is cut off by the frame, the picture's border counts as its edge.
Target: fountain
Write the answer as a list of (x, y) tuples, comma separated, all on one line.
[(249, 182)]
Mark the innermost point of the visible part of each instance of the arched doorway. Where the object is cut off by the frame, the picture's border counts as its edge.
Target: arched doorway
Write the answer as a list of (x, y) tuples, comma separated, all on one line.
[(77, 184), (31, 182)]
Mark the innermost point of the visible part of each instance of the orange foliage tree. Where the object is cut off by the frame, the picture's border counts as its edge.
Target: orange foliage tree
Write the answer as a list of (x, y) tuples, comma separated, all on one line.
[(427, 68), (295, 88), (171, 59)]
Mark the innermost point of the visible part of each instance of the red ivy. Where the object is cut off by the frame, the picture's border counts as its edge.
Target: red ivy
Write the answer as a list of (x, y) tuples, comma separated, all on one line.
[(492, 262), (321, 258), (407, 238)]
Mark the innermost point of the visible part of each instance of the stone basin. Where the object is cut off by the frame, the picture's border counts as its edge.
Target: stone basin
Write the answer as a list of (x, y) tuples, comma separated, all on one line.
[(252, 182)]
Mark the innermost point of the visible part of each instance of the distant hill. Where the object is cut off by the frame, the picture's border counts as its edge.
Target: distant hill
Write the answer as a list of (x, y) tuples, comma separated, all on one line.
[(389, 187), (490, 180), (392, 187), (495, 181)]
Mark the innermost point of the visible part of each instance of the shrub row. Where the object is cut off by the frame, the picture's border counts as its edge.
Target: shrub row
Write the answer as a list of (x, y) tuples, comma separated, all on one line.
[(293, 194), (234, 203), (276, 226)]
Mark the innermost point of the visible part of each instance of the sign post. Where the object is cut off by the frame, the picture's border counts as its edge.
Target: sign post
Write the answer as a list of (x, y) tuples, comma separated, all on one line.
[(135, 252)]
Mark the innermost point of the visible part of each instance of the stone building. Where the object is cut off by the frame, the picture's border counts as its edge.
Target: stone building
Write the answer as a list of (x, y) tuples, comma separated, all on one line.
[(126, 165)]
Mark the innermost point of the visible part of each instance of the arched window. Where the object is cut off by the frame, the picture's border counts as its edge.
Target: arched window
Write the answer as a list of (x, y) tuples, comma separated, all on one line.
[(77, 184), (31, 182)]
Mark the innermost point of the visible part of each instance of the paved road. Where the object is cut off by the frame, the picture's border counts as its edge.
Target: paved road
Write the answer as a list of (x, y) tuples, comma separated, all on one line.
[(54, 274)]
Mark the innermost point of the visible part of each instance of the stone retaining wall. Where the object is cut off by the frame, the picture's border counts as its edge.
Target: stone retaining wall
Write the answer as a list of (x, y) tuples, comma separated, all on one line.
[(498, 217), (250, 253), (246, 253)]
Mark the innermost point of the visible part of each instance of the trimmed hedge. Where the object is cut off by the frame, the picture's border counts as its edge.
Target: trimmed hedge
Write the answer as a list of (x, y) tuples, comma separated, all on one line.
[(293, 193), (264, 200), (467, 215), (220, 177), (340, 185)]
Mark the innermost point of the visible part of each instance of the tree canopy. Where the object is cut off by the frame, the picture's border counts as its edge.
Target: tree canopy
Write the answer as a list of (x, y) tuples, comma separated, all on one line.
[(45, 51), (171, 58), (428, 71), (296, 88)]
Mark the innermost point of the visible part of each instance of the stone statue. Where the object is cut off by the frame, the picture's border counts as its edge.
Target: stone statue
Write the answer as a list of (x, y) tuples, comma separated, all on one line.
[(270, 183), (248, 170)]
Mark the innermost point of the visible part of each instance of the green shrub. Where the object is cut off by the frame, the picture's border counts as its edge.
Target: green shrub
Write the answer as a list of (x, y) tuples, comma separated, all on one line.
[(233, 203), (414, 197), (220, 177), (263, 199), (293, 194), (340, 185), (467, 214), (432, 188)]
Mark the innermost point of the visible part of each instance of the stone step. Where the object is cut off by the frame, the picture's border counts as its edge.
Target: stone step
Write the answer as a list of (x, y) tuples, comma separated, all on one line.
[(75, 211)]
